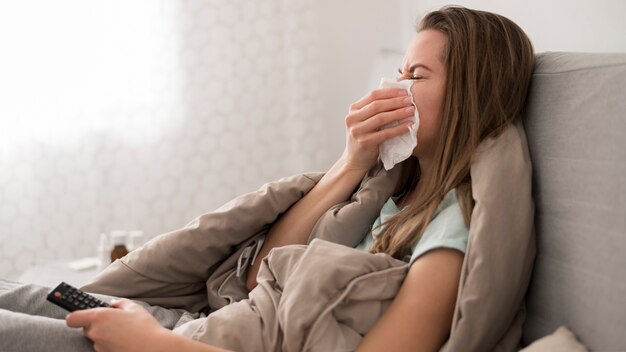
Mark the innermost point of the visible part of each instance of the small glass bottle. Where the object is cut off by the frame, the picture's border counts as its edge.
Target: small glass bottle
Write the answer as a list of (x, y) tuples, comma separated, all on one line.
[(135, 240), (119, 245)]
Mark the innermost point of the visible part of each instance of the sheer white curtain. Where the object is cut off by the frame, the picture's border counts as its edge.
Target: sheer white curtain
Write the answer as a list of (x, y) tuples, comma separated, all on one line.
[(144, 114)]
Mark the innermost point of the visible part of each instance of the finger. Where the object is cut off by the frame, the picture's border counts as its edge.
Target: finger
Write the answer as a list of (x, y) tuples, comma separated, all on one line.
[(379, 121), (79, 318), (381, 93), (379, 106), (86, 330), (122, 303), (388, 133)]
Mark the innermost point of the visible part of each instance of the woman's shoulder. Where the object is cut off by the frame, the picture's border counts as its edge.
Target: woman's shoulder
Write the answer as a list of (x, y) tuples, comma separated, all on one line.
[(447, 229), (449, 201)]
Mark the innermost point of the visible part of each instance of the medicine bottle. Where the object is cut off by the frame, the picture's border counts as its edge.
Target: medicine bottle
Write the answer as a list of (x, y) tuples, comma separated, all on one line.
[(119, 245)]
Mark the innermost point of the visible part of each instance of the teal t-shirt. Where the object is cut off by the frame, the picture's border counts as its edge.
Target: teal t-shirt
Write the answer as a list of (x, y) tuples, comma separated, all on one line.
[(447, 228)]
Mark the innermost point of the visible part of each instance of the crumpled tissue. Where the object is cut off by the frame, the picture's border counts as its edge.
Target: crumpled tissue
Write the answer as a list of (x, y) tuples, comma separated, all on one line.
[(400, 148)]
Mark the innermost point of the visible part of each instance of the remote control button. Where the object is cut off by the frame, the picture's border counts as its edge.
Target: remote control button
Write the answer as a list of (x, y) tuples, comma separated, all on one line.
[(57, 294), (92, 304), (82, 306)]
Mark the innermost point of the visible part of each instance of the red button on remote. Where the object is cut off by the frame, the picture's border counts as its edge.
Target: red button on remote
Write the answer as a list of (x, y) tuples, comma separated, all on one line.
[(57, 294)]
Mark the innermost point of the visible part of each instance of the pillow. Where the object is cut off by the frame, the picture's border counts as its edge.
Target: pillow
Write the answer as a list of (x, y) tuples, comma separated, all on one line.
[(562, 340), (501, 248)]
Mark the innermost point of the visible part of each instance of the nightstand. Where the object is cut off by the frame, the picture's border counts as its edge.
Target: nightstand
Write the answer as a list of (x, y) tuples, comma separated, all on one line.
[(52, 273)]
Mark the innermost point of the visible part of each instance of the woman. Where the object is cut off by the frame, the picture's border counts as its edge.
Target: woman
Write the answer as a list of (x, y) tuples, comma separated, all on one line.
[(471, 71)]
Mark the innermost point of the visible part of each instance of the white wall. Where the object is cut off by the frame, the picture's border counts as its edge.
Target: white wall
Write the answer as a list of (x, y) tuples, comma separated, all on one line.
[(555, 25), (354, 36), (174, 110)]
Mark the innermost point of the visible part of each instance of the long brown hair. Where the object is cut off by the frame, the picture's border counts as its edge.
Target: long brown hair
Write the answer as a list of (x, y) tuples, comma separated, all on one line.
[(489, 61)]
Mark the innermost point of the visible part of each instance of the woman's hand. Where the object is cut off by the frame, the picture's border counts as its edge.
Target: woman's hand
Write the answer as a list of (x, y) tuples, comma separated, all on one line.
[(128, 328), (365, 121)]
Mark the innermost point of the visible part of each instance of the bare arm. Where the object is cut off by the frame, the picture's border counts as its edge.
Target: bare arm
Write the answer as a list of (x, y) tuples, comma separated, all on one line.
[(296, 224), (130, 328), (420, 317), (363, 136)]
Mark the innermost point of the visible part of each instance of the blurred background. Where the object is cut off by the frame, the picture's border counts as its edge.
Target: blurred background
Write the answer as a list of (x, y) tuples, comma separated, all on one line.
[(143, 114)]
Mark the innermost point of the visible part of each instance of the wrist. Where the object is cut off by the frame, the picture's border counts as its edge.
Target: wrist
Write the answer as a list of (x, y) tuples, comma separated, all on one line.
[(347, 165), (165, 340), (343, 175)]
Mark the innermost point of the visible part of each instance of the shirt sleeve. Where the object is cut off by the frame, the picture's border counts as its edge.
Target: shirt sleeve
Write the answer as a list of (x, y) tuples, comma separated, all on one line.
[(446, 230)]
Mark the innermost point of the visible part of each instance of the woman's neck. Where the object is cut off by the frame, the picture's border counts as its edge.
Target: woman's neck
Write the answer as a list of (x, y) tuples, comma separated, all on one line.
[(425, 169), (422, 174)]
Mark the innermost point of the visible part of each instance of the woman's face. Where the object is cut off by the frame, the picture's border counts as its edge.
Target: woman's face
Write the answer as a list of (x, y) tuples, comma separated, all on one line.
[(423, 63)]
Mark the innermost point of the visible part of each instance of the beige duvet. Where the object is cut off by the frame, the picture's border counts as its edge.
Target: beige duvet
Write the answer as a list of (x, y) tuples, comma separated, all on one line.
[(321, 297)]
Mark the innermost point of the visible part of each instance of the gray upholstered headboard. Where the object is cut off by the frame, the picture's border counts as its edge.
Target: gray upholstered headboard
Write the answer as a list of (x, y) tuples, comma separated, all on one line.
[(575, 119)]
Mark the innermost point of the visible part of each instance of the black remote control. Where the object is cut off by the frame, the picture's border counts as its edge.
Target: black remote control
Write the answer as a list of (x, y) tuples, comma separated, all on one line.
[(69, 297)]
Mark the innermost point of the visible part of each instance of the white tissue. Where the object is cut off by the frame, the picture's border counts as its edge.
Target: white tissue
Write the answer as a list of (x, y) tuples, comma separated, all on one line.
[(397, 149)]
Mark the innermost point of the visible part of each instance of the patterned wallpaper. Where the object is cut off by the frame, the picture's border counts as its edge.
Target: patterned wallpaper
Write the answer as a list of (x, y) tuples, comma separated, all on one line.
[(220, 100)]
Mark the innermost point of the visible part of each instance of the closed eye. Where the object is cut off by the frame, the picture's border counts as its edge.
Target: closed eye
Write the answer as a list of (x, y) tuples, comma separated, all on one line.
[(404, 76)]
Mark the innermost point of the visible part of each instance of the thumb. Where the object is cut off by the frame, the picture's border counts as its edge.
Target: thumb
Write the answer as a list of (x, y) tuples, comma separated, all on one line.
[(79, 318)]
